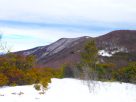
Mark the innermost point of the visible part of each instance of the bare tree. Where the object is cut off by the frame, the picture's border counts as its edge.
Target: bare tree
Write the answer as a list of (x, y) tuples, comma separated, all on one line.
[(0, 42), (3, 46)]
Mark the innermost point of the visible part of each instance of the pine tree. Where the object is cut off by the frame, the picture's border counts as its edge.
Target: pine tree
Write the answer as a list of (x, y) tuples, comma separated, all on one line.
[(88, 63)]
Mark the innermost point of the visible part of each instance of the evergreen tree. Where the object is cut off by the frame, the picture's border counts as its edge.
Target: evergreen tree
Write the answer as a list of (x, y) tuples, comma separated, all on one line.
[(88, 63), (89, 59)]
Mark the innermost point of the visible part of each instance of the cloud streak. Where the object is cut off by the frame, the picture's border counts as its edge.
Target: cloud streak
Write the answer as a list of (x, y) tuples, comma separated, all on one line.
[(68, 10), (40, 22)]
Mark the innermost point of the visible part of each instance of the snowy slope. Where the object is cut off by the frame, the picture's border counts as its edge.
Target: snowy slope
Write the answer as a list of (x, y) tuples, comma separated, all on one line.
[(71, 90), (61, 44), (54, 47)]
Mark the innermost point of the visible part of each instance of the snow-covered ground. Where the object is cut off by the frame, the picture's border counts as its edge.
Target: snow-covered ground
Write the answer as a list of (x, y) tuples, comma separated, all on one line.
[(104, 53), (107, 53), (71, 90)]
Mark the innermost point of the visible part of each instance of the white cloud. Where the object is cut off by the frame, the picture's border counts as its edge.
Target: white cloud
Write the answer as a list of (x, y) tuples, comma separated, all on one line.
[(20, 39), (84, 16), (69, 10)]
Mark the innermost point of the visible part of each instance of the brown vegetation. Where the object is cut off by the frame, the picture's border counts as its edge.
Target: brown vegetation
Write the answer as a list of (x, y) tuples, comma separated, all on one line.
[(19, 70)]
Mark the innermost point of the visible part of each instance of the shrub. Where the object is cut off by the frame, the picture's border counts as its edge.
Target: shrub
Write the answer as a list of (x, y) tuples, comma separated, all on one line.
[(37, 87), (105, 71), (30, 77), (18, 70), (21, 62), (68, 72), (45, 81), (15, 76), (3, 80), (13, 84), (24, 62), (127, 74)]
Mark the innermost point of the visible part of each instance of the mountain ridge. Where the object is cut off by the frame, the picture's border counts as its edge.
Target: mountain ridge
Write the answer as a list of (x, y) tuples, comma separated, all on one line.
[(67, 50)]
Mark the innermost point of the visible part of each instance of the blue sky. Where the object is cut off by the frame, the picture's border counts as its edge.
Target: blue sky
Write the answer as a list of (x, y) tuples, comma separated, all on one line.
[(26, 24)]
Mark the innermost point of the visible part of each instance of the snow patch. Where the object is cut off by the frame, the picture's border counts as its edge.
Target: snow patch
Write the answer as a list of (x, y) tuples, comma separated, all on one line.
[(109, 53), (104, 53)]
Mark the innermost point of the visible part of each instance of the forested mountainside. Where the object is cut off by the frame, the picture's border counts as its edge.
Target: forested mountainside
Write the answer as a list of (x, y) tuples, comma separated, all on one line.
[(117, 47)]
